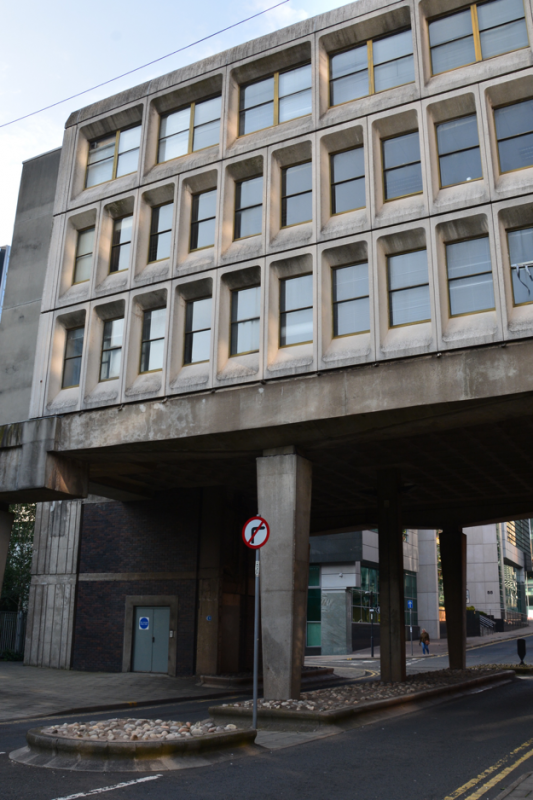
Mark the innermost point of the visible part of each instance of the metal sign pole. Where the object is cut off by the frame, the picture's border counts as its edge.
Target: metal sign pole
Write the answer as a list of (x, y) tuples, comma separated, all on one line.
[(372, 624), (411, 628), (256, 633)]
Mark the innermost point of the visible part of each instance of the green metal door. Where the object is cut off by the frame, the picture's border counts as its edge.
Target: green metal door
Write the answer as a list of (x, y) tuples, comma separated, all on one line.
[(150, 641)]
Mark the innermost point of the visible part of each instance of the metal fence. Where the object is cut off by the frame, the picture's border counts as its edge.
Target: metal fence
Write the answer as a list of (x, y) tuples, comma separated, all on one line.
[(12, 631)]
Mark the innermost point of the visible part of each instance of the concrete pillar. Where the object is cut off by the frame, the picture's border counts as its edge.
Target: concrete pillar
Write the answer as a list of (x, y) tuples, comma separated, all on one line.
[(6, 521), (428, 583), (284, 500), (336, 625), (392, 627), (453, 562), (213, 503)]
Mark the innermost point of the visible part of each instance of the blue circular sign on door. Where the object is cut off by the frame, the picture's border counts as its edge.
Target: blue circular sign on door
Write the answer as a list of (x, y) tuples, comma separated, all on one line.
[(144, 623)]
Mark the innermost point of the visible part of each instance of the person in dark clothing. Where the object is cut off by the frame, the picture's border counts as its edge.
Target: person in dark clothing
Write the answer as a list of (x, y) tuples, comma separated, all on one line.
[(424, 641)]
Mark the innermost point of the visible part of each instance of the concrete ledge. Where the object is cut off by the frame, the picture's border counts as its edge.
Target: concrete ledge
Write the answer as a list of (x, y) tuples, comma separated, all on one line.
[(57, 752), (285, 720), (245, 681)]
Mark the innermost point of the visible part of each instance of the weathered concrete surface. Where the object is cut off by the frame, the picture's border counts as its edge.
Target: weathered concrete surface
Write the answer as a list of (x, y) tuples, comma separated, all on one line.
[(336, 622), (24, 286), (284, 500)]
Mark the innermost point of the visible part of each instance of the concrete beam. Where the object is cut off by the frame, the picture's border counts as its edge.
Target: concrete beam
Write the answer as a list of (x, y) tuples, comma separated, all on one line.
[(29, 469), (453, 562), (391, 601), (284, 499)]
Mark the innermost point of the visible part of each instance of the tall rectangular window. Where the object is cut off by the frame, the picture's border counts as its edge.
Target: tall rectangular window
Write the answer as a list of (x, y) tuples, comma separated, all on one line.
[(111, 349), (521, 256), (347, 180), (189, 129), (248, 207), (113, 155), (458, 146), (296, 194), (245, 314), (72, 360), (121, 244), (84, 256), (197, 331), (314, 607), (408, 288), (351, 301), (204, 210), (480, 31), (153, 340), (402, 172), (160, 232), (279, 98), (371, 67), (514, 132), (296, 310), (469, 276)]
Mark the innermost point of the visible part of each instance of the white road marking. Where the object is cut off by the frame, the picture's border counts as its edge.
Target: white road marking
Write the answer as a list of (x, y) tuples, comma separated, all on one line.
[(108, 788)]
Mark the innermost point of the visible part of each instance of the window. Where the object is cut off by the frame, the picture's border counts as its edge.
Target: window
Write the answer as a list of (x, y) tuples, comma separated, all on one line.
[(410, 593), (153, 340), (248, 207), (121, 244), (72, 361), (278, 98), (402, 173), (84, 256), (198, 331), (408, 288), (160, 232), (245, 311), (351, 302), (521, 257), (347, 180), (296, 310), (191, 128), (314, 608), (204, 209), (371, 67), (111, 349), (296, 194), (113, 156), (514, 132), (362, 597), (469, 276), (480, 31), (458, 146)]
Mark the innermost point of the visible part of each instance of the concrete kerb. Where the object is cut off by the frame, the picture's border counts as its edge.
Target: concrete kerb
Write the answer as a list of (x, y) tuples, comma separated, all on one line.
[(55, 752), (286, 720)]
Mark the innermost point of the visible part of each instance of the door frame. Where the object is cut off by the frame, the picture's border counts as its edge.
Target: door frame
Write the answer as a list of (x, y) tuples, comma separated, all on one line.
[(132, 601)]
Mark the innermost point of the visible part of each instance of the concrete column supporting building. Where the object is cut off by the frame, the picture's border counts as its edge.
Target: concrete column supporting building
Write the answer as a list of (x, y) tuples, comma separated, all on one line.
[(391, 599), (6, 521), (453, 562), (284, 500), (50, 626), (428, 583)]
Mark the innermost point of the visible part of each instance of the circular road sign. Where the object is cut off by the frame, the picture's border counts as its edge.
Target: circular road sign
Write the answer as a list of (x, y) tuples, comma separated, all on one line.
[(255, 532)]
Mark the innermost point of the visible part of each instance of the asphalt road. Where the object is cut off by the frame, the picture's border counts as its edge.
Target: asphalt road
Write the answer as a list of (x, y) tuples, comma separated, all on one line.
[(427, 754)]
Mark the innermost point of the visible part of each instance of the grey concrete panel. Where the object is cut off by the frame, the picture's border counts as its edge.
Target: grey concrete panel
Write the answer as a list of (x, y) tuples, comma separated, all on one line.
[(336, 622)]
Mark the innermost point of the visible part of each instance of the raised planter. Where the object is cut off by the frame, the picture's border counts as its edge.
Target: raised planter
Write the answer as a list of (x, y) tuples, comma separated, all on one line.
[(284, 719), (58, 752)]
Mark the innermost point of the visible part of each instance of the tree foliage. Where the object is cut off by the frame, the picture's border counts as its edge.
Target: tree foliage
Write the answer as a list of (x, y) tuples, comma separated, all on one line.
[(17, 576)]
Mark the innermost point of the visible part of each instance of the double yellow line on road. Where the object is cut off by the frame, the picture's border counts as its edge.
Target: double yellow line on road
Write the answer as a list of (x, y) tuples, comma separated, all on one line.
[(496, 773)]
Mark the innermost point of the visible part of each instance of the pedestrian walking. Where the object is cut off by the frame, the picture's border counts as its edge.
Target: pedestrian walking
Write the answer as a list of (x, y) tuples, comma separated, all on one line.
[(424, 641)]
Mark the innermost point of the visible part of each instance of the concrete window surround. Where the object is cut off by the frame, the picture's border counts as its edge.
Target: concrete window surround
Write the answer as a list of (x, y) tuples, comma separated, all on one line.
[(149, 600)]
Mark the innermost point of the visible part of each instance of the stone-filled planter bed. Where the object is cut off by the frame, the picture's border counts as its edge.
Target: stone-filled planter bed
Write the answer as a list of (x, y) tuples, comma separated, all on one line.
[(297, 716), (61, 752)]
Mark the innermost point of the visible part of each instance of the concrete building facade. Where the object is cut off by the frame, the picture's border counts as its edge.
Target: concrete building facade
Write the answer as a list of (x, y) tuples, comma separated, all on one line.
[(293, 278)]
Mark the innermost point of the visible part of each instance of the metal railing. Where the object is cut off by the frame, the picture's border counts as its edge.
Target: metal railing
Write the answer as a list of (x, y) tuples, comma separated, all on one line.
[(486, 625), (12, 631)]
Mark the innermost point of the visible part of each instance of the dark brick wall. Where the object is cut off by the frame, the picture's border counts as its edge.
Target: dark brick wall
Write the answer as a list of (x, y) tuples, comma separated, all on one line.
[(158, 535)]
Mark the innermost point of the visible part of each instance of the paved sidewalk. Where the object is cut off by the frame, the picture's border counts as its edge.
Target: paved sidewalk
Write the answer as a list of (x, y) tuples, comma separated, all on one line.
[(38, 691), (523, 787)]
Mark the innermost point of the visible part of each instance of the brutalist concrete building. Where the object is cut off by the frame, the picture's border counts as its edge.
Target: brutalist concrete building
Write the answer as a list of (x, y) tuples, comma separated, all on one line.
[(292, 278)]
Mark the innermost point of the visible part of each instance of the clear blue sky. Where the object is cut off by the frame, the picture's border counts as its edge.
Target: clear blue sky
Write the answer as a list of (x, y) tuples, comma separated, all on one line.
[(52, 50)]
